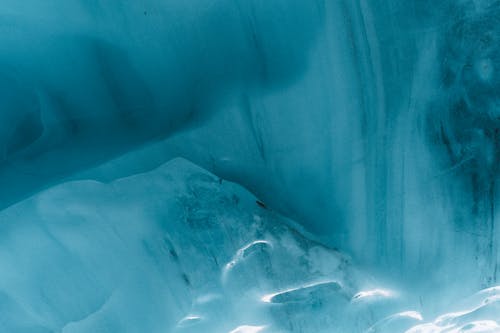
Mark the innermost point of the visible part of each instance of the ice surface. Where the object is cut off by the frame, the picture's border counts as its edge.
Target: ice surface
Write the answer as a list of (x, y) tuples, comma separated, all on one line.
[(190, 253), (365, 129)]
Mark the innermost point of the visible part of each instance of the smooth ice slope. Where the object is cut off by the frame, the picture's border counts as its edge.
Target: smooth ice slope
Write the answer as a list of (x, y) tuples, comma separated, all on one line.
[(85, 81)]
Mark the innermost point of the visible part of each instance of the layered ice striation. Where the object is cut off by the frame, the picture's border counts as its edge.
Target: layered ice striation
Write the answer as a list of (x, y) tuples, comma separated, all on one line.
[(367, 132)]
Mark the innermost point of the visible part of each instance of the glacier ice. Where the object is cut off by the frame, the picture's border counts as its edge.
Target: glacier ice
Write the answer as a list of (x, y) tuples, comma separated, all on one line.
[(191, 253), (343, 172)]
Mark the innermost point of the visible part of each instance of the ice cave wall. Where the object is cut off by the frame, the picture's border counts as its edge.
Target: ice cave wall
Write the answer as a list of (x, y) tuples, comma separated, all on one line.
[(372, 123)]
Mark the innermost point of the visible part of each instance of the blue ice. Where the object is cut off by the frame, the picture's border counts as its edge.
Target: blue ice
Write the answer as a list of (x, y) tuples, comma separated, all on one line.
[(249, 166)]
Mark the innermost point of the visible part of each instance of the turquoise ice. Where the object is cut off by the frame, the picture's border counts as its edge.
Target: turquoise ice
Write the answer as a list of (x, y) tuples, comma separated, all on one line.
[(249, 166)]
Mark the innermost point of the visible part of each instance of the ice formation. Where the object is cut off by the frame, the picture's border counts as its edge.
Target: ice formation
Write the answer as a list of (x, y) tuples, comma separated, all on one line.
[(248, 166)]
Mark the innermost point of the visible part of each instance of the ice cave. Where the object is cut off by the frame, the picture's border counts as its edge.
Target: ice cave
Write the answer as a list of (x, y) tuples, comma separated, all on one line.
[(244, 166)]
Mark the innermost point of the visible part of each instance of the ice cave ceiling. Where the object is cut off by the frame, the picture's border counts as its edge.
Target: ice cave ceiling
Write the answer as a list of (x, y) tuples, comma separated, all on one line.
[(244, 166)]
